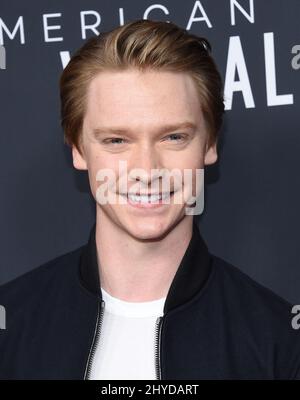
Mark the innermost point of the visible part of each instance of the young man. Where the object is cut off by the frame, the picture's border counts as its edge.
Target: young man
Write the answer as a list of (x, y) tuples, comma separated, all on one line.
[(144, 298)]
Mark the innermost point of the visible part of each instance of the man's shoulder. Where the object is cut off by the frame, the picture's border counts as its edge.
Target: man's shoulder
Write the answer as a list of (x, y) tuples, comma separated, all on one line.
[(253, 307), (239, 285), (256, 317), (38, 280)]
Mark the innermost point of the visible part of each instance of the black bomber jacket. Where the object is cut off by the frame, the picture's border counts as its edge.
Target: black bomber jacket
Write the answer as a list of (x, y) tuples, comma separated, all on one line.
[(217, 322)]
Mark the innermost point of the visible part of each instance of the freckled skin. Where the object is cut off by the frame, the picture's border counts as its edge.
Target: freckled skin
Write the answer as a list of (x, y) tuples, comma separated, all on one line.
[(143, 102)]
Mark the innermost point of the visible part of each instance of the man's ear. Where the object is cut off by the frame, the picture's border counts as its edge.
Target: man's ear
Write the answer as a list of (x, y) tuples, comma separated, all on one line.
[(211, 154), (78, 159)]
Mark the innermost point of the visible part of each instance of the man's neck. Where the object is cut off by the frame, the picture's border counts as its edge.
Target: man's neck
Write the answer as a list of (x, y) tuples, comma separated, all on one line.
[(137, 271)]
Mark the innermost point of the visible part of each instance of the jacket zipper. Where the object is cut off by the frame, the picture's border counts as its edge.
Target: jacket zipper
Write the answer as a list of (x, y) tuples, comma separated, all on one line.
[(157, 346), (96, 337), (93, 348)]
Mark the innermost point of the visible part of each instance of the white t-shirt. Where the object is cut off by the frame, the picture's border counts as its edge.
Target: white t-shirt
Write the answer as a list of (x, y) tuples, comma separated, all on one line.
[(127, 339)]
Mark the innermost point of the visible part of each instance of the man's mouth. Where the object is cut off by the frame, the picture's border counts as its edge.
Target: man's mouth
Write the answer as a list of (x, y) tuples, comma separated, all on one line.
[(147, 198)]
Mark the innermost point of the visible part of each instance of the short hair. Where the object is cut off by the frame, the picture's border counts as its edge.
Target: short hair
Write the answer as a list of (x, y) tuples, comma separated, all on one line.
[(141, 44)]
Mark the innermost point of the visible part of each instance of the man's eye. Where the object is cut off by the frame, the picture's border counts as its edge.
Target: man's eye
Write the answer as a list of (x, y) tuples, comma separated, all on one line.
[(176, 137), (115, 140)]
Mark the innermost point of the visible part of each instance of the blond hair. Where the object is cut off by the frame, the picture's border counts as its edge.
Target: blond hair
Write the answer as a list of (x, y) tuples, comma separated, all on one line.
[(141, 44)]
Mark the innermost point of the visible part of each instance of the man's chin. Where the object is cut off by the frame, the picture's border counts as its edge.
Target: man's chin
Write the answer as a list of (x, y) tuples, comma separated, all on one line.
[(147, 231)]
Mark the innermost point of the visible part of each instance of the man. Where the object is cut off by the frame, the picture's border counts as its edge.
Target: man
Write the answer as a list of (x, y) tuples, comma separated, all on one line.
[(144, 298)]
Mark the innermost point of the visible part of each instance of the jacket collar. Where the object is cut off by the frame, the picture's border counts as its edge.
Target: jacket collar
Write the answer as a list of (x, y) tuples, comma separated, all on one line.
[(189, 278)]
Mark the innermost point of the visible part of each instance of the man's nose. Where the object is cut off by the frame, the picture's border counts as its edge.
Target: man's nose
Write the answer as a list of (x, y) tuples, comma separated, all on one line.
[(145, 164)]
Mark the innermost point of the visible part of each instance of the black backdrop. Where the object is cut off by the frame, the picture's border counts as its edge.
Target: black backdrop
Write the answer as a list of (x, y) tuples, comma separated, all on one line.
[(252, 194)]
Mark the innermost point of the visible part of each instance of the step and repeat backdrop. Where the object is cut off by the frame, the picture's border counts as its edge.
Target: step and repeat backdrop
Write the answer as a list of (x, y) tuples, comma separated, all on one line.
[(252, 195)]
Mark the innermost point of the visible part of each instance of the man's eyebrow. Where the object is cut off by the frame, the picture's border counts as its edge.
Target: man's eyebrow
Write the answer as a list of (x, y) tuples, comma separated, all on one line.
[(166, 128)]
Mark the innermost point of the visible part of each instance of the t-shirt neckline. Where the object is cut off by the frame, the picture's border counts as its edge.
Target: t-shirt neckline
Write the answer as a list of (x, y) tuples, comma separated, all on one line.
[(124, 308)]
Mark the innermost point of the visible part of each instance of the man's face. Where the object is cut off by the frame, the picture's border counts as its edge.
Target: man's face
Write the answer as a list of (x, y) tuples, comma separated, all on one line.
[(138, 106)]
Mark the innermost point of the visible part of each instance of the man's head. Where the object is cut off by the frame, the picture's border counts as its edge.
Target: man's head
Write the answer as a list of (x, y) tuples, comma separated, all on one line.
[(124, 95)]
